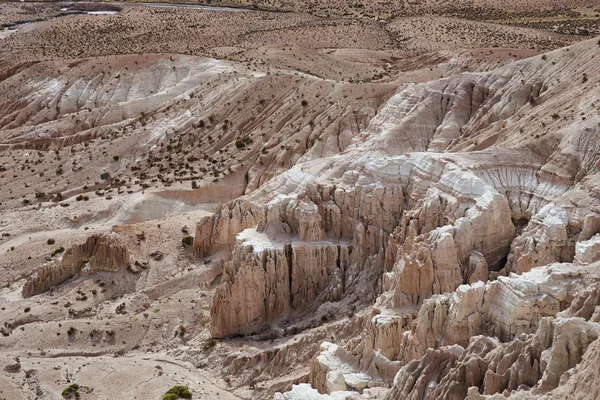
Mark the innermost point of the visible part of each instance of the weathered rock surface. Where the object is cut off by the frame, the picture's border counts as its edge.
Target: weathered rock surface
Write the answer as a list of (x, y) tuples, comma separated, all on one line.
[(99, 253), (464, 228)]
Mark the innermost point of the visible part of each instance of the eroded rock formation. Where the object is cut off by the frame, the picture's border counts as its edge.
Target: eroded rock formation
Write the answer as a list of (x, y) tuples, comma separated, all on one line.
[(454, 245), (99, 253)]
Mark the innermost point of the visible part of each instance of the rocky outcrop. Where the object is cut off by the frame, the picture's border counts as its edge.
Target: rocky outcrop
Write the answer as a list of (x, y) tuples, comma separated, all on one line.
[(266, 281), (215, 232), (488, 239), (506, 309), (99, 253), (530, 362)]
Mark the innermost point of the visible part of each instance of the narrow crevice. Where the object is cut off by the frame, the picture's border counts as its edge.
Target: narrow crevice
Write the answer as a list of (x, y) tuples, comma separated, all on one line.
[(287, 249)]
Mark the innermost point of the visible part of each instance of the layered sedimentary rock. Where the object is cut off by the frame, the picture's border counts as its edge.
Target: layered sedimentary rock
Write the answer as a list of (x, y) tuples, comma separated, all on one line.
[(99, 253), (458, 211), (265, 281), (530, 362), (503, 309)]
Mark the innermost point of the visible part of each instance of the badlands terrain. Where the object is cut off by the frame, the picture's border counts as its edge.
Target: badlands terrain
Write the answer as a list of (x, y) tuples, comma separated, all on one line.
[(296, 200)]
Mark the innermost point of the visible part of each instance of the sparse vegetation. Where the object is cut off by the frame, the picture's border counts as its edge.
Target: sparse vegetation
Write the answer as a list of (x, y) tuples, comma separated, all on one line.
[(177, 392), (71, 392), (188, 240), (57, 251), (209, 344)]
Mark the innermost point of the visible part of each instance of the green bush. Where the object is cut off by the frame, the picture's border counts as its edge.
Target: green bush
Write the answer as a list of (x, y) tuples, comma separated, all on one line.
[(50, 241), (57, 251), (116, 158), (71, 392), (177, 392), (187, 240)]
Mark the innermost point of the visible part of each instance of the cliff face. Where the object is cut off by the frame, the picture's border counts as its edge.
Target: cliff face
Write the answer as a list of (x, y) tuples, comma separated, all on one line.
[(99, 253)]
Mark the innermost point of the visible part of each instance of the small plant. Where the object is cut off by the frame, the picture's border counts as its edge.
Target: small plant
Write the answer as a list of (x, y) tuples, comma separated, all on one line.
[(182, 330), (57, 251), (50, 241), (209, 344), (187, 240), (71, 392), (242, 142), (304, 103), (116, 158), (71, 331), (544, 57), (177, 392)]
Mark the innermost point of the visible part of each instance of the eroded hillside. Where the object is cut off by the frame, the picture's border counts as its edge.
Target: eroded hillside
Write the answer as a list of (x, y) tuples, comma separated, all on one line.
[(285, 206)]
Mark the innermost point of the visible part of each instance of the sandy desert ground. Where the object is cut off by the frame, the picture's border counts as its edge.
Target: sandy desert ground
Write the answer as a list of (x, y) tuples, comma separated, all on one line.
[(300, 200)]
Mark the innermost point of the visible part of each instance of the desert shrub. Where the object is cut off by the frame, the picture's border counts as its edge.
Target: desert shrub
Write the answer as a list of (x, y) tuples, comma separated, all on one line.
[(50, 241), (177, 392), (242, 142), (57, 251), (71, 392), (210, 343), (116, 158), (71, 331), (187, 240)]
